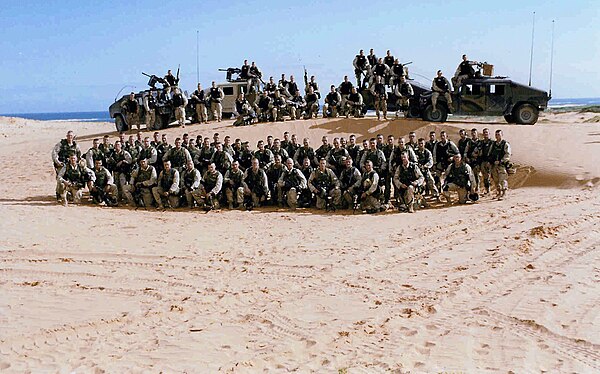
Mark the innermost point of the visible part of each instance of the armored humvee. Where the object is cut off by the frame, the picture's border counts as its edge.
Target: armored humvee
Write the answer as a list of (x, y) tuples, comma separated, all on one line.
[(489, 96)]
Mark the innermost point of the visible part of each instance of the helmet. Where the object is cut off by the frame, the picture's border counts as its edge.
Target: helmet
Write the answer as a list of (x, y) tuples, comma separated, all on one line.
[(367, 183), (474, 196)]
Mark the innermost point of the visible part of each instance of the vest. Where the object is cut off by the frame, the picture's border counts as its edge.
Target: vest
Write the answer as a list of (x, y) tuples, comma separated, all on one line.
[(398, 69), (292, 88), (214, 93), (407, 174), (76, 175), (361, 61), (404, 89), (101, 177), (323, 150), (372, 59), (442, 154), (66, 149), (189, 177), (346, 88), (118, 157), (292, 178), (347, 177), (177, 157), (467, 69), (244, 71), (145, 153), (388, 60), (486, 147), (354, 97), (373, 156), (221, 161), (380, 69), (236, 177), (177, 100), (97, 154), (332, 98), (441, 83), (151, 102), (255, 181), (370, 175), (167, 179), (144, 175), (423, 157), (380, 90), (304, 152), (132, 106), (430, 145), (458, 175), (497, 152), (310, 98)]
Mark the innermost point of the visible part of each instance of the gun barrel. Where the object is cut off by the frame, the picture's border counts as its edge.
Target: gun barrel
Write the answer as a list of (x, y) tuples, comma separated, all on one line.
[(148, 75)]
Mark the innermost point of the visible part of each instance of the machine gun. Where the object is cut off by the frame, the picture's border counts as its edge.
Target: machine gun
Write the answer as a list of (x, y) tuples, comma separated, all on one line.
[(230, 72), (154, 79)]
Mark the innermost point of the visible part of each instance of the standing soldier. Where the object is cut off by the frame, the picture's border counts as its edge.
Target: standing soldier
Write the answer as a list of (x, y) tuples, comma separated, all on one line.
[(296, 106), (407, 178), (255, 77), (190, 183), (306, 151), (500, 156), (171, 79), (216, 97), (104, 190), (443, 154), (150, 108), (221, 159), (324, 149), (381, 70), (168, 187), (232, 183), (131, 109), (325, 185), (441, 86), (361, 67), (486, 160), (332, 102), (371, 153), (397, 71), (425, 161), (292, 87), (200, 105), (279, 105), (372, 58), (148, 152), (72, 179), (404, 91), (370, 190), (274, 171), (178, 156), (345, 89), (379, 92), (62, 149), (290, 185), (179, 103), (336, 156), (459, 178), (312, 103), (141, 183), (389, 59), (94, 153), (314, 85), (282, 86), (473, 155), (120, 162)]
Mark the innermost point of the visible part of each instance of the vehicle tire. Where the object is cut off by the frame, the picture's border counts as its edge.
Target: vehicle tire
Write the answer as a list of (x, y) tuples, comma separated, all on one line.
[(414, 112), (439, 115), (509, 118), (120, 123), (526, 114), (162, 122)]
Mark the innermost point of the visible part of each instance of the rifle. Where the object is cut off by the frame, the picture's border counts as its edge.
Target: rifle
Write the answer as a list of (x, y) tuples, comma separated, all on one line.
[(305, 76), (177, 76)]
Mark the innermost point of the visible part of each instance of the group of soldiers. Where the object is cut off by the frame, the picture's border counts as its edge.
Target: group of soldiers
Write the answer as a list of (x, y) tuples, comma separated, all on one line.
[(209, 173)]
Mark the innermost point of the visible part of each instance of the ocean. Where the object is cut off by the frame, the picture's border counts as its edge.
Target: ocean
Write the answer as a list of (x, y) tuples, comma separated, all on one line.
[(104, 116)]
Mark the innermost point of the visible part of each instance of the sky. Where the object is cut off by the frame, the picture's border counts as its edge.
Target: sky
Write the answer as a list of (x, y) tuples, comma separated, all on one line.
[(66, 56)]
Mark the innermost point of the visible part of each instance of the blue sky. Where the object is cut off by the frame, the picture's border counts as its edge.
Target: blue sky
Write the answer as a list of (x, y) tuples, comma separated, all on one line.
[(76, 55)]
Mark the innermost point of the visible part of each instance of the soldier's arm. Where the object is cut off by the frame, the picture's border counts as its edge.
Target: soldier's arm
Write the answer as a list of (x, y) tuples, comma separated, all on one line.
[(55, 152), (61, 174), (153, 157), (374, 185), (110, 179), (185, 100), (419, 177), (397, 91), (197, 179), (360, 99), (507, 153), (471, 177), (355, 64), (302, 179), (188, 156), (244, 184), (132, 178), (434, 155), (89, 158), (175, 186), (357, 178), (311, 187), (392, 157), (434, 87), (429, 158), (146, 107), (128, 158), (334, 178), (411, 92), (227, 177), (412, 156), (265, 180), (454, 148), (218, 185), (396, 178)]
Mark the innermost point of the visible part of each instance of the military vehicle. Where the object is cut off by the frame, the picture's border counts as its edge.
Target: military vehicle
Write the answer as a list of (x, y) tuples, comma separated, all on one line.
[(489, 96), (414, 110), (232, 88)]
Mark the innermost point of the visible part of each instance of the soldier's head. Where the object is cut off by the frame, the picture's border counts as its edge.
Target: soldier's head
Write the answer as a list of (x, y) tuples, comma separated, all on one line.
[(474, 134), (286, 136), (352, 139), (276, 143), (332, 88), (270, 140), (255, 164), (464, 57), (277, 159), (289, 163), (311, 90), (118, 146), (432, 135), (206, 142), (213, 84), (322, 164), (186, 138), (462, 133), (216, 137), (371, 51), (388, 53), (336, 143), (143, 163), (105, 140), (347, 161), (131, 139), (380, 139), (294, 139), (271, 80), (306, 162), (241, 96), (169, 72), (189, 165), (138, 136), (343, 142), (122, 137), (98, 163), (361, 52), (227, 140), (199, 140), (324, 140), (365, 143), (245, 62), (291, 78), (73, 159), (283, 76), (368, 165), (132, 96), (401, 143), (486, 133), (404, 158), (443, 136), (498, 135), (235, 165), (96, 143), (305, 142), (390, 140), (345, 78), (354, 90), (212, 168), (380, 60), (70, 136), (372, 144), (199, 87), (253, 64), (156, 136), (402, 79), (457, 158), (177, 143), (396, 61), (264, 93), (412, 137), (219, 147), (439, 73), (167, 165), (245, 146), (421, 144), (260, 145)]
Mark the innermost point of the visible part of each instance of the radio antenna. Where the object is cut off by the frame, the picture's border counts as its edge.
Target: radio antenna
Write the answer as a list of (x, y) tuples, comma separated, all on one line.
[(551, 59), (197, 56), (531, 54)]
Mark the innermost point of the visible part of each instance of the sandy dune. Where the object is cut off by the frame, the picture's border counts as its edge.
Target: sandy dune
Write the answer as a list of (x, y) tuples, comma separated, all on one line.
[(510, 286)]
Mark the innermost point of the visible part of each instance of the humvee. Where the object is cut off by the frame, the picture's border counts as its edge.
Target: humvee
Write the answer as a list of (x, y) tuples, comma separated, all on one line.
[(232, 89), (489, 96), (414, 110)]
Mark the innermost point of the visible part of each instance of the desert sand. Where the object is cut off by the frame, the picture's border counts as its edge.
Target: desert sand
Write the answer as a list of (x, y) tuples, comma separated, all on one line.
[(511, 286)]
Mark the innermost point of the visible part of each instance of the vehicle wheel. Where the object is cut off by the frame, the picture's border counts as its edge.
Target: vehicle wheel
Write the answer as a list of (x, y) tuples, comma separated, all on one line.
[(438, 115), (509, 118), (526, 114), (162, 122), (414, 112), (120, 123)]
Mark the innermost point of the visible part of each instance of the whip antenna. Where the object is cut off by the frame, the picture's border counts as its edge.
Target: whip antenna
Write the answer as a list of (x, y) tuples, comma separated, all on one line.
[(197, 56), (551, 59), (531, 54)]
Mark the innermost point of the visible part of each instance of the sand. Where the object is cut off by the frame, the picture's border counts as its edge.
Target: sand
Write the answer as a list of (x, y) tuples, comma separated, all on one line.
[(510, 286)]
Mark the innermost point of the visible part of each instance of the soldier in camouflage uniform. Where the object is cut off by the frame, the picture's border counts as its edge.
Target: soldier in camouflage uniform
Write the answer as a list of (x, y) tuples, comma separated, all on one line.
[(407, 178), (380, 94), (94, 153), (141, 183), (120, 164), (131, 108), (425, 161), (278, 149), (210, 190), (61, 151), (325, 185), (370, 190), (150, 107), (350, 179), (190, 183), (148, 152), (290, 185), (500, 156), (459, 178), (204, 156), (335, 157), (221, 159), (256, 185), (72, 179), (168, 187), (306, 151), (104, 190), (472, 156), (200, 105), (274, 172), (263, 155), (232, 183), (178, 156), (485, 145)]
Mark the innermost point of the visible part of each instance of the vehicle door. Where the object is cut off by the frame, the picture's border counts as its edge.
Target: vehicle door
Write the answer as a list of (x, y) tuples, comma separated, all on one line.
[(472, 99), (229, 99), (497, 98)]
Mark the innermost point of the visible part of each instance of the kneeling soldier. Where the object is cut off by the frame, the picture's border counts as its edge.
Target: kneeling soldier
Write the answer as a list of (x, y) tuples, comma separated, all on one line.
[(459, 178), (168, 187), (291, 184), (190, 180), (407, 178), (141, 183), (325, 185), (104, 190), (72, 179)]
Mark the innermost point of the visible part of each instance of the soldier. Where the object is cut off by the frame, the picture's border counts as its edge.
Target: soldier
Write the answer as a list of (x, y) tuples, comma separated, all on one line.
[(412, 140), (263, 107), (148, 152), (244, 110), (463, 71), (325, 185), (292, 87), (443, 153), (332, 103), (370, 190), (324, 149), (380, 94), (425, 161), (62, 149), (431, 143), (246, 156), (389, 59), (407, 178), (290, 185), (178, 156), (256, 186), (282, 86), (395, 157), (150, 108), (314, 85), (103, 190), (279, 105), (459, 178), (210, 189), (271, 87), (221, 159), (500, 156), (232, 183), (263, 155), (486, 161), (245, 71), (312, 103), (190, 183), (350, 179), (120, 162), (156, 139), (293, 147), (141, 183), (171, 79), (228, 147), (179, 103), (200, 105), (306, 151), (472, 155), (72, 179), (286, 144), (161, 150), (372, 58), (336, 156), (204, 156), (463, 143), (134, 150), (168, 187), (296, 106), (131, 109), (255, 77), (403, 92), (380, 70), (354, 104), (397, 72), (94, 153), (274, 171), (216, 97), (306, 168), (373, 154), (353, 149), (345, 89), (441, 86), (277, 149), (361, 67)]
